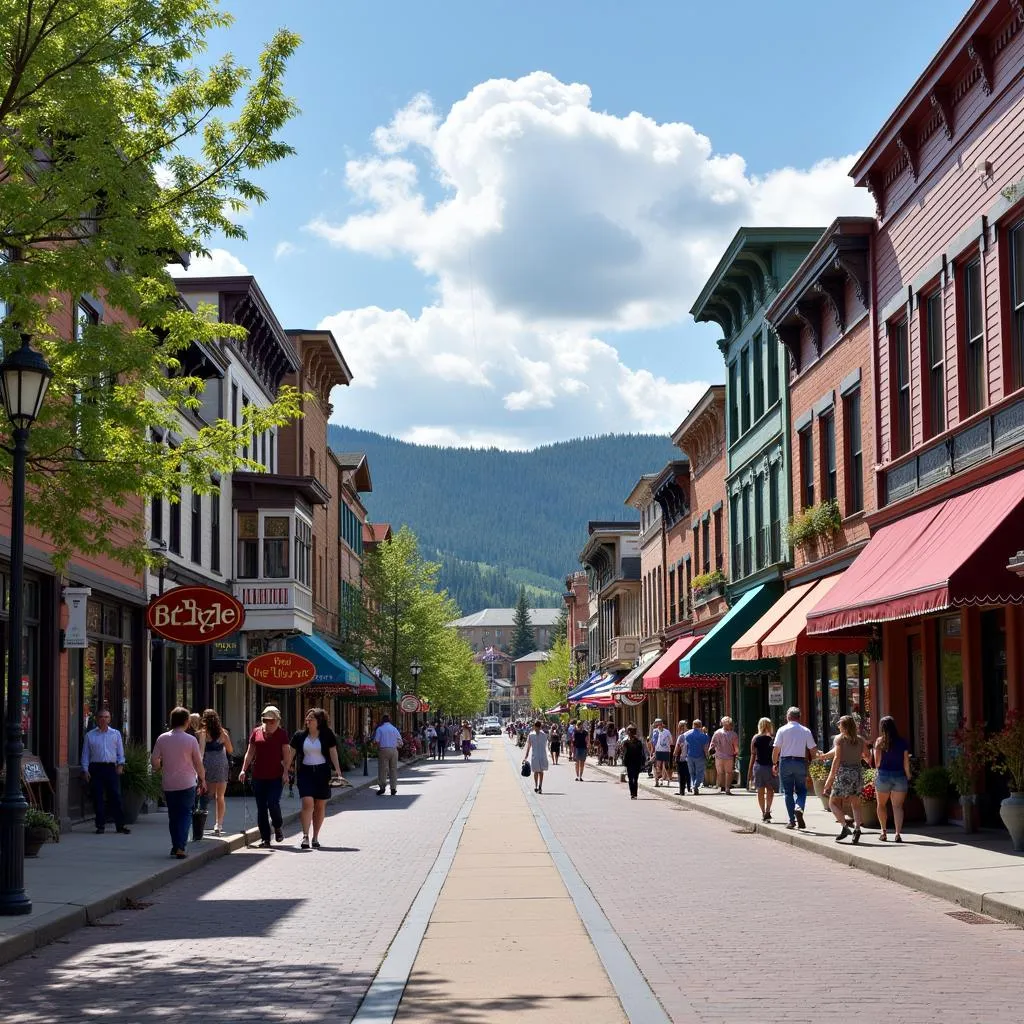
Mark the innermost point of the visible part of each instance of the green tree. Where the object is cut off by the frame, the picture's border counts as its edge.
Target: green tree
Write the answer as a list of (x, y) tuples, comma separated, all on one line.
[(119, 154), (522, 628), (560, 630), (550, 681)]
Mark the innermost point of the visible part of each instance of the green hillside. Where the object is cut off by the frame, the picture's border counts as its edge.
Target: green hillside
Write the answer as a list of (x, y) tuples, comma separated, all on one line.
[(521, 516)]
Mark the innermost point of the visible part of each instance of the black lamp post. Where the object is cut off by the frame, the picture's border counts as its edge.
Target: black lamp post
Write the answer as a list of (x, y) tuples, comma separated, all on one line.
[(24, 378), (415, 668)]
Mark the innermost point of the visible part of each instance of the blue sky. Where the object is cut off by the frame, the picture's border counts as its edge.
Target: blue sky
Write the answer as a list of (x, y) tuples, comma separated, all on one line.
[(512, 261)]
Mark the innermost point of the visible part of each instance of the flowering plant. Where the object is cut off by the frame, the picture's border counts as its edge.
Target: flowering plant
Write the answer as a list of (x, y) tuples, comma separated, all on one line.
[(868, 792), (971, 756), (818, 770), (1006, 750), (348, 755)]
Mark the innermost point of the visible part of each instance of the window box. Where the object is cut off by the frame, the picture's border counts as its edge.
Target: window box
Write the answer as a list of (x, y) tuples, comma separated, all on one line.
[(708, 586), (813, 525)]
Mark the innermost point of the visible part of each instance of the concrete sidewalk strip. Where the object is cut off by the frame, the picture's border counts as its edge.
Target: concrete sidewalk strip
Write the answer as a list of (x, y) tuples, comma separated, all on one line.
[(86, 876), (486, 951), (980, 872)]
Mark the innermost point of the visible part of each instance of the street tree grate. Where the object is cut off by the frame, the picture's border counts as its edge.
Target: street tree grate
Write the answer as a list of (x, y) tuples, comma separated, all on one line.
[(970, 917)]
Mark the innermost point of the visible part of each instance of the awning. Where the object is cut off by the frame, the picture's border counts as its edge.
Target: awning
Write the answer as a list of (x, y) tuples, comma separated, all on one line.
[(331, 668), (558, 709), (583, 687), (633, 681), (748, 646), (712, 657), (664, 673), (789, 636), (952, 554), (601, 695)]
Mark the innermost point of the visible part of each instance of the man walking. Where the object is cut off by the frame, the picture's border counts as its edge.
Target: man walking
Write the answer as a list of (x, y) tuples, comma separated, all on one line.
[(271, 757), (388, 740), (102, 765), (794, 744), (430, 738), (695, 746), (442, 739)]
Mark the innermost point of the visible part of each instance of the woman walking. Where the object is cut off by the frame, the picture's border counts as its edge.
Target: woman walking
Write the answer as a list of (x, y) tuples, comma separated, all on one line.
[(556, 743), (537, 754), (634, 757), (845, 780), (467, 741), (580, 741), (725, 745), (612, 741), (679, 755), (761, 767), (216, 747), (316, 753), (176, 755), (892, 775)]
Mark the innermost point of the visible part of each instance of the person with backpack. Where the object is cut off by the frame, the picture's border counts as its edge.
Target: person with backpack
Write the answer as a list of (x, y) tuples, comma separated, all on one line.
[(633, 759)]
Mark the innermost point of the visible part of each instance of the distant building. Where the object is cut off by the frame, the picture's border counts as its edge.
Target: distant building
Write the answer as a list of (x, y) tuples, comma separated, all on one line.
[(493, 627), (524, 669)]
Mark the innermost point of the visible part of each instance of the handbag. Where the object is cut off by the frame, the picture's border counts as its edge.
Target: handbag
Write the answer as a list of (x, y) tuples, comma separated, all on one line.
[(525, 770)]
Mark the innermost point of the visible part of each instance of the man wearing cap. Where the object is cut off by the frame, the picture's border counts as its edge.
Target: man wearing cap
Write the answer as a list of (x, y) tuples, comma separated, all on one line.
[(270, 756), (388, 740)]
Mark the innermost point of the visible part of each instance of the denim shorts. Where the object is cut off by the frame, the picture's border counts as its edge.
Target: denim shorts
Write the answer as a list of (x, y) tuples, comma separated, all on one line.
[(890, 782)]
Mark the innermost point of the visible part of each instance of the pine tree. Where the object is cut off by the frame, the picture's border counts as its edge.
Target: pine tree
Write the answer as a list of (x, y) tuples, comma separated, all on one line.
[(560, 631), (522, 630)]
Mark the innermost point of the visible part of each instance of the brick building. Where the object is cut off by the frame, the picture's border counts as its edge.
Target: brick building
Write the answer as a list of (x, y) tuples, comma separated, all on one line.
[(577, 611)]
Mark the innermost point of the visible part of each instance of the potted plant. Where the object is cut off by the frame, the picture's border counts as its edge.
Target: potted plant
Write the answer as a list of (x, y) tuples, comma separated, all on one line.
[(932, 786), (818, 772), (40, 827), (965, 767), (868, 804), (138, 781), (710, 772), (1006, 753), (707, 585)]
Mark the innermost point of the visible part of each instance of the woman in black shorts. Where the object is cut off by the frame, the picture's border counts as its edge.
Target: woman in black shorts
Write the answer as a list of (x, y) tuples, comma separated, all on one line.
[(556, 742), (316, 752), (761, 767)]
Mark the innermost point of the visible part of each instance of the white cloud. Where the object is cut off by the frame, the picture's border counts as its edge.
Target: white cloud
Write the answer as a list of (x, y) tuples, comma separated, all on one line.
[(449, 437), (284, 249), (220, 263), (557, 227)]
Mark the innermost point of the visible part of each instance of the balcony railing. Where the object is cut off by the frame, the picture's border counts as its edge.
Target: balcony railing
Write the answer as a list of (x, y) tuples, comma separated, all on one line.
[(274, 596)]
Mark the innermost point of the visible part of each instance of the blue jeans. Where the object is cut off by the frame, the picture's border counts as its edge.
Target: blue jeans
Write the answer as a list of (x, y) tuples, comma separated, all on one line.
[(105, 784), (179, 815), (268, 804), (793, 776), (696, 766)]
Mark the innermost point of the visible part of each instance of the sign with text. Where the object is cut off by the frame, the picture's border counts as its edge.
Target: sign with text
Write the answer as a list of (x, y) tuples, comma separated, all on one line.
[(76, 599), (195, 615), (775, 695), (281, 670), (632, 700), (410, 702)]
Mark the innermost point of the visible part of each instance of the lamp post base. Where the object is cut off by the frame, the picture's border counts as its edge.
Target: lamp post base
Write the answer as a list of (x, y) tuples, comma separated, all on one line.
[(13, 897)]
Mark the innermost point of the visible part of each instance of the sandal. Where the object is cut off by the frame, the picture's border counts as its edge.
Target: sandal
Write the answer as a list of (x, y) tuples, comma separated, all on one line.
[(899, 838), (304, 845), (882, 836)]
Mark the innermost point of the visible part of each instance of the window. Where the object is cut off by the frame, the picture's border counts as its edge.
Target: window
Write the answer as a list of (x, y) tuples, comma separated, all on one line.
[(935, 391), (748, 567), (312, 461), (275, 547), (196, 526), (734, 532), (774, 487), (745, 390), (899, 344), (671, 596), (683, 594), (760, 547), (1017, 304), (772, 345), (248, 567), (827, 431), (234, 405), (245, 447), (156, 517), (706, 540), (734, 402), (174, 523), (215, 531), (303, 549), (696, 546), (688, 595), (854, 456), (758, 378), (272, 464), (718, 540), (806, 468), (974, 340)]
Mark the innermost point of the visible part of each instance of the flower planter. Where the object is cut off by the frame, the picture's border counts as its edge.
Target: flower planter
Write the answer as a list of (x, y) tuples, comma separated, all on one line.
[(705, 595), (1011, 810), (969, 810), (35, 837), (131, 805), (198, 824), (934, 810), (869, 813), (819, 792)]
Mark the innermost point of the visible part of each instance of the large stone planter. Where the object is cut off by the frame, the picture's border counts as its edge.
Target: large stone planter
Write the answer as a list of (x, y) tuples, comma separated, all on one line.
[(819, 792), (934, 810), (1011, 810), (35, 838), (869, 814), (968, 806), (131, 805)]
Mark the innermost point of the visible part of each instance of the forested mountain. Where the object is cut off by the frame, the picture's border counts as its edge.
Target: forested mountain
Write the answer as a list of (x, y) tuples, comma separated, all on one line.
[(500, 518)]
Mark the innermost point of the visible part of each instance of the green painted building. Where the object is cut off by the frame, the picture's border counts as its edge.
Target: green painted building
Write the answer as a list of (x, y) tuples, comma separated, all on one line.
[(757, 263)]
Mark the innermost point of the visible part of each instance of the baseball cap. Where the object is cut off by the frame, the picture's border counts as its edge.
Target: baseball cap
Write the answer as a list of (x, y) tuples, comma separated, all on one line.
[(271, 712)]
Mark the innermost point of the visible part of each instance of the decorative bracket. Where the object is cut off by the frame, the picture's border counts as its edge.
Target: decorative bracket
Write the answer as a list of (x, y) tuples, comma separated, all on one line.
[(789, 335), (910, 152), (834, 295), (810, 315), (877, 190), (979, 51), (1017, 7), (941, 102), (854, 263)]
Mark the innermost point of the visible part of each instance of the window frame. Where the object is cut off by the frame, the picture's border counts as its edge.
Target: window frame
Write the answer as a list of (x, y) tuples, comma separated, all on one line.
[(1015, 299), (901, 416), (973, 382), (827, 444), (853, 442), (805, 450), (196, 527), (933, 362)]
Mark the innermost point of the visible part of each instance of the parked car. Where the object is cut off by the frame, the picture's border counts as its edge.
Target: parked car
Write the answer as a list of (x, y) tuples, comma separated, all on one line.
[(491, 727)]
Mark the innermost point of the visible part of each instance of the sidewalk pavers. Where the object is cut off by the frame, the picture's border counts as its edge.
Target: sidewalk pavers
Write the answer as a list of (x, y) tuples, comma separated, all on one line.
[(86, 876), (486, 953), (980, 871)]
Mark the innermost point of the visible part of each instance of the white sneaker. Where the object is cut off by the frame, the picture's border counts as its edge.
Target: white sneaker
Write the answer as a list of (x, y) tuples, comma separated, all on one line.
[(217, 830)]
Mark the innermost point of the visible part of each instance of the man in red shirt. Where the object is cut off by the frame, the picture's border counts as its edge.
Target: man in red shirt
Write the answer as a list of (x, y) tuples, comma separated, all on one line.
[(270, 756)]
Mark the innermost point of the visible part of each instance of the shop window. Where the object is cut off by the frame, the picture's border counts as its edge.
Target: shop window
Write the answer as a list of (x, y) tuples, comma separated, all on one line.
[(758, 353), (276, 539), (772, 345), (827, 433), (196, 527), (951, 683), (900, 364), (806, 448), (854, 453), (935, 365), (975, 388), (248, 567), (1016, 242)]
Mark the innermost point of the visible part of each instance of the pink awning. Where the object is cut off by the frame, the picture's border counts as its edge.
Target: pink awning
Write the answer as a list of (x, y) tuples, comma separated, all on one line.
[(789, 636), (664, 673), (748, 647), (953, 553)]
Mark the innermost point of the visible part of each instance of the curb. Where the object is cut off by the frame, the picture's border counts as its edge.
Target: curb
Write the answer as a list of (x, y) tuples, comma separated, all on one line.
[(982, 903), (75, 916)]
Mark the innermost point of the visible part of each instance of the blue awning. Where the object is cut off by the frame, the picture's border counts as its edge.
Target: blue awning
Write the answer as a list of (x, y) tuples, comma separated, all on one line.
[(331, 668), (581, 688)]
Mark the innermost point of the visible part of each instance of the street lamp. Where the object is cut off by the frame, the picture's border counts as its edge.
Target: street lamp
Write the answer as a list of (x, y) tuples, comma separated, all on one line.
[(24, 378), (415, 668)]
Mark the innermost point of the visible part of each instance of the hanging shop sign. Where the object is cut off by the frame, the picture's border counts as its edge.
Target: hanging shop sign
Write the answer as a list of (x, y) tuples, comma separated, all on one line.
[(410, 702), (775, 696), (632, 700), (195, 615), (76, 600), (281, 670)]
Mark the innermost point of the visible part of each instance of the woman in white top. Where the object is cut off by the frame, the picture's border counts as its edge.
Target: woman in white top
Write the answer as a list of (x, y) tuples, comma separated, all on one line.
[(316, 750), (537, 754), (612, 739)]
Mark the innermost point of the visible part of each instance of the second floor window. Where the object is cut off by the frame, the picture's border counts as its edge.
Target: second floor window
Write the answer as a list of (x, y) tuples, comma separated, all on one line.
[(760, 547), (1017, 304), (734, 402), (303, 550), (671, 596), (248, 567), (174, 524), (215, 531), (936, 364), (687, 596), (974, 340), (734, 532), (828, 457), (806, 468), (718, 540), (748, 566), (774, 514), (745, 390), (156, 517), (696, 547), (275, 547), (196, 527), (771, 344), (854, 455), (758, 351), (706, 541), (899, 343)]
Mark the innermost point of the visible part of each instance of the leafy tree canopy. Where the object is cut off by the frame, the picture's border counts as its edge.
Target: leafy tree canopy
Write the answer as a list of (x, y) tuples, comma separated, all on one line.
[(119, 154)]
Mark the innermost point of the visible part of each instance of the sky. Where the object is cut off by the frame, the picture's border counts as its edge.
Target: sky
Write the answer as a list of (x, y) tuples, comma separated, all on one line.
[(504, 210)]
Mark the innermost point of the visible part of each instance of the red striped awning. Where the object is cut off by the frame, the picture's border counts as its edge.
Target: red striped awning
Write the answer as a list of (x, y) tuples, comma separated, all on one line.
[(664, 673)]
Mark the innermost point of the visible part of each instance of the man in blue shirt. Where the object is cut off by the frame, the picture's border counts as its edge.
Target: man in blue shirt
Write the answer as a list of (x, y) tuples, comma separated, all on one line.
[(388, 740), (102, 764), (695, 741)]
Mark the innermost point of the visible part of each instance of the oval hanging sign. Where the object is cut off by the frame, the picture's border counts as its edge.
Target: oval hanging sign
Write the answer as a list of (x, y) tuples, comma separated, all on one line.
[(410, 702), (281, 670), (195, 615), (631, 700)]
